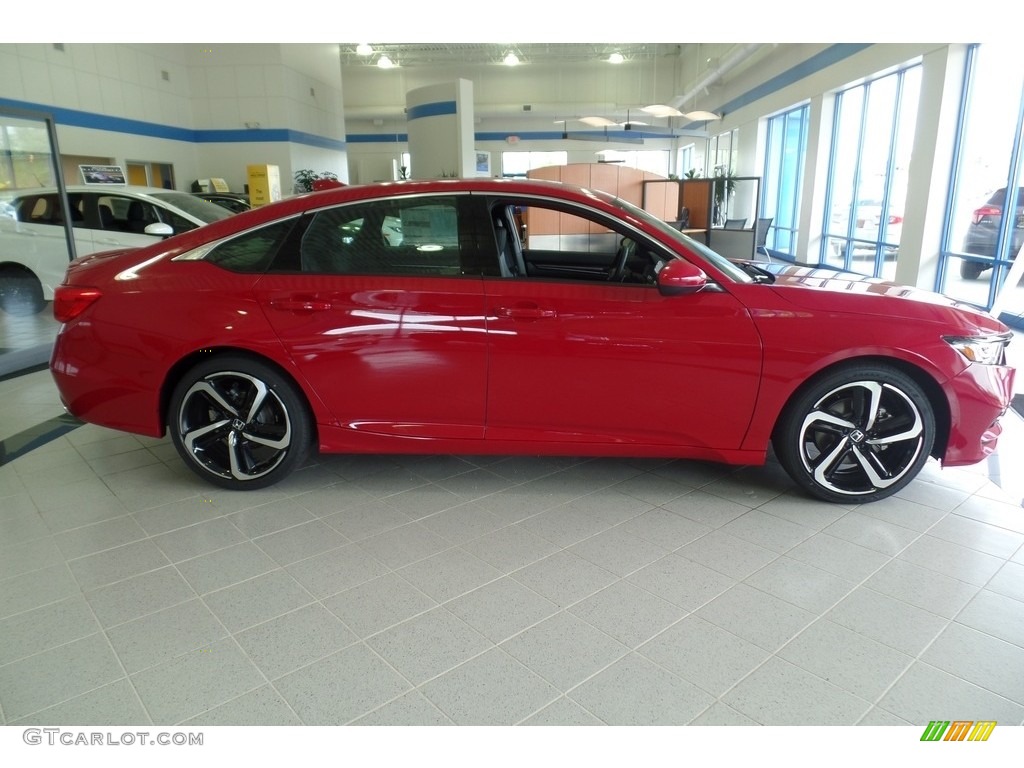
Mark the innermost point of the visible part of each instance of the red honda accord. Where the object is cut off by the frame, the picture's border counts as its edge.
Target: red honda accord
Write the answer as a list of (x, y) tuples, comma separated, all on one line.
[(517, 317)]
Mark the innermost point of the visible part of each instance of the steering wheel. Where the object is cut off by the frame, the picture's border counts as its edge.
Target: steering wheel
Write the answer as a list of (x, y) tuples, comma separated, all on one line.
[(626, 250)]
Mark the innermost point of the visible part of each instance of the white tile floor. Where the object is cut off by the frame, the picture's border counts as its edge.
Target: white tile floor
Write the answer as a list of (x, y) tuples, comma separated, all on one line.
[(439, 590)]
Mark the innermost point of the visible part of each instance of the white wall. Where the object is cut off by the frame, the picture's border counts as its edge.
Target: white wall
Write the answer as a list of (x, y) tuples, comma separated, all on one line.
[(186, 88)]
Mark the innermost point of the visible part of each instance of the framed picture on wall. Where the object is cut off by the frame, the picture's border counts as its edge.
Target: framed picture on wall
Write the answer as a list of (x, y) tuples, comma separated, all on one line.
[(483, 163)]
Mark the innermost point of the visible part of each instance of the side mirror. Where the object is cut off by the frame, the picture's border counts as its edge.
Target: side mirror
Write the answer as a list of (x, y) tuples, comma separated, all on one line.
[(680, 277), (160, 229)]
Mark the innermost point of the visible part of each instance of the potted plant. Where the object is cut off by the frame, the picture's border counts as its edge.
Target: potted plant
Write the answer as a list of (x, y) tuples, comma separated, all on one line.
[(305, 178), (724, 186)]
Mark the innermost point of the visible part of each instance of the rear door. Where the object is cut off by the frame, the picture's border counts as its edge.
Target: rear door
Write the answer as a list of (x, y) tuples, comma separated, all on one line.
[(380, 306)]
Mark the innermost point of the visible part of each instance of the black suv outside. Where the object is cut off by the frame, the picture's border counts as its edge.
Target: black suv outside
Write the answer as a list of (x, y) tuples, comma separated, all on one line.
[(984, 231)]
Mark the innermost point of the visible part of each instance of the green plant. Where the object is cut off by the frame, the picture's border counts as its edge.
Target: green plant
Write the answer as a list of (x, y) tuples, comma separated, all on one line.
[(693, 173), (724, 186), (304, 179), (725, 183)]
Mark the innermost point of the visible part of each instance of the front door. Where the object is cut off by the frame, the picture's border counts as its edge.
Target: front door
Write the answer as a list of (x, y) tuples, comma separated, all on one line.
[(583, 351)]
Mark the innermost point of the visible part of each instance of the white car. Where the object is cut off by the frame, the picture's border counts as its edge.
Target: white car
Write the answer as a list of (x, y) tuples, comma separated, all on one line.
[(867, 231), (33, 243)]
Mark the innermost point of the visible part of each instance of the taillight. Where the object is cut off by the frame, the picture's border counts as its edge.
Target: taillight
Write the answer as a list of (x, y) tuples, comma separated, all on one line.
[(985, 210), (894, 219), (69, 301)]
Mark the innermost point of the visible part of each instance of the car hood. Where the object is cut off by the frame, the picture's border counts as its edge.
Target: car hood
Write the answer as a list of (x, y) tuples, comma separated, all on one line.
[(826, 290)]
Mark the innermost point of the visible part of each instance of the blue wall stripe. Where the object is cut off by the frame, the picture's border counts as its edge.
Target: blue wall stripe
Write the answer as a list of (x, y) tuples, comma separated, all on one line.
[(80, 119), (831, 55), (434, 109)]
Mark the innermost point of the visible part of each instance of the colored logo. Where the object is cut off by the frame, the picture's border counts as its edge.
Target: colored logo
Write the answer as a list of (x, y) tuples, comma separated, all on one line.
[(958, 730)]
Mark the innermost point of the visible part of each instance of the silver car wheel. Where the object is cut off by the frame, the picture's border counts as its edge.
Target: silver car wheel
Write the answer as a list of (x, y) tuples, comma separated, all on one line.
[(234, 426), (861, 438)]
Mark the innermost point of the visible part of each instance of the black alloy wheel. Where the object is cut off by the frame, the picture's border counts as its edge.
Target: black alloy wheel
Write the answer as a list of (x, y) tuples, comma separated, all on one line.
[(239, 423), (859, 434)]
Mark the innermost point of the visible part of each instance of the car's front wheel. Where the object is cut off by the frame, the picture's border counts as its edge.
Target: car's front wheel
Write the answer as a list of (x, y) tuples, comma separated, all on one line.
[(858, 434), (239, 423)]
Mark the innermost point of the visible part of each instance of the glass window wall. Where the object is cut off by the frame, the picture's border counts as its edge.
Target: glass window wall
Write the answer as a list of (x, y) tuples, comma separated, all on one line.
[(35, 240), (985, 224), (872, 141), (785, 153)]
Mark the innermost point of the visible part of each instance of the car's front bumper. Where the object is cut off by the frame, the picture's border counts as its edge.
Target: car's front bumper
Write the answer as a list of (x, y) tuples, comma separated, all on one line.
[(979, 397)]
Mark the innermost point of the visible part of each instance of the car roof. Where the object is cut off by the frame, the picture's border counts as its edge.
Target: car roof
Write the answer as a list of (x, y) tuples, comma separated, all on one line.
[(98, 188)]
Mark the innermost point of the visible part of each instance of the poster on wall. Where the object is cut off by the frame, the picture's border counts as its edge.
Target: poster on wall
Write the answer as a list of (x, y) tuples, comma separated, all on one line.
[(102, 174), (483, 163)]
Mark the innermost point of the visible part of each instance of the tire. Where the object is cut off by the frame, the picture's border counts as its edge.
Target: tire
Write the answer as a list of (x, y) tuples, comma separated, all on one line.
[(239, 423), (21, 293), (971, 270), (858, 434)]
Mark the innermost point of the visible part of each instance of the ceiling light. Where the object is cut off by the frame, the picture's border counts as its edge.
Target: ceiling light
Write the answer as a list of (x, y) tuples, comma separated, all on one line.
[(597, 122), (364, 49), (661, 110), (384, 62), (510, 59), (700, 115), (616, 58)]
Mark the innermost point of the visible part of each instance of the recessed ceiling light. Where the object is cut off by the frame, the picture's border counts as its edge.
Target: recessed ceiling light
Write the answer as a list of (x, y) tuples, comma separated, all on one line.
[(364, 49), (510, 59), (616, 58), (384, 62)]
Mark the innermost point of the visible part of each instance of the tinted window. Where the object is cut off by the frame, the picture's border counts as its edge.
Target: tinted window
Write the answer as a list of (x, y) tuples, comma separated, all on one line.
[(201, 209), (45, 209), (252, 252), (417, 236), (126, 214)]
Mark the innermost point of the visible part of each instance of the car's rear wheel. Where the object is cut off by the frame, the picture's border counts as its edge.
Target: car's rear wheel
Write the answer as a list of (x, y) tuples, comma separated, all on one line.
[(239, 423), (21, 293), (971, 270), (858, 434)]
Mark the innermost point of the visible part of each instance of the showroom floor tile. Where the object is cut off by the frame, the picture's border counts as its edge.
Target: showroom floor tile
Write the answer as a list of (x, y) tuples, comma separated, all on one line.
[(493, 590)]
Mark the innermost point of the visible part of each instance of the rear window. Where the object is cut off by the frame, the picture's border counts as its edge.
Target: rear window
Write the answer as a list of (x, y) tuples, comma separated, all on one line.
[(251, 252), (999, 197), (203, 210)]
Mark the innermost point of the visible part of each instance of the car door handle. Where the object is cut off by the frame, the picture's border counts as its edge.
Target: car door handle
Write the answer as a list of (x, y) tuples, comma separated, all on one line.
[(526, 313), (300, 305)]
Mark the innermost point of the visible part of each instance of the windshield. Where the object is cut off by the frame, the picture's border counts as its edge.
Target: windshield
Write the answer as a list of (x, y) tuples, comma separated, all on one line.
[(196, 207), (720, 262)]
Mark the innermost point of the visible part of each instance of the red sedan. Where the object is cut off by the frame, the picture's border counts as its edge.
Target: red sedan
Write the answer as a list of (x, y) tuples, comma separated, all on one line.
[(513, 317)]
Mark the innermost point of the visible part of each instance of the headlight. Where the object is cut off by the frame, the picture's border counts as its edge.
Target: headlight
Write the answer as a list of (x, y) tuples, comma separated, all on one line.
[(987, 350)]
